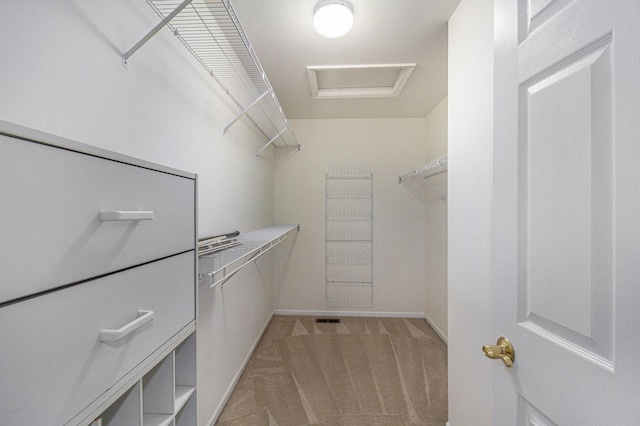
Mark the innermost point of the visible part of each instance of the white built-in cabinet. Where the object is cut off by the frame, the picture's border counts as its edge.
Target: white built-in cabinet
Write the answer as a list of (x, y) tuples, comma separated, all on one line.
[(97, 286), (165, 395)]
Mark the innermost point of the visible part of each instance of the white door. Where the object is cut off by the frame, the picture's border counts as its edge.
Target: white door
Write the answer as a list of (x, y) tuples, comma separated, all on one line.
[(567, 211)]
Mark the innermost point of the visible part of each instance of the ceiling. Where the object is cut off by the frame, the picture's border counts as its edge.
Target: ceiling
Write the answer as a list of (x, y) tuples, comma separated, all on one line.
[(384, 32)]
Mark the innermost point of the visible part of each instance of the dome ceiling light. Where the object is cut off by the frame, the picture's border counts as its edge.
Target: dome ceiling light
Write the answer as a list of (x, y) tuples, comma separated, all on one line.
[(333, 18)]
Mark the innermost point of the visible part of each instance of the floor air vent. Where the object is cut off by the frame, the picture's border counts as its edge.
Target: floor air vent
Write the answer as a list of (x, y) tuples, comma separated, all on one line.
[(328, 320)]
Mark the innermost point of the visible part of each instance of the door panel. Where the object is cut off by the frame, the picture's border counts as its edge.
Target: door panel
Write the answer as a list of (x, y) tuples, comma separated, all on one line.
[(565, 206), (530, 416), (536, 12), (566, 203)]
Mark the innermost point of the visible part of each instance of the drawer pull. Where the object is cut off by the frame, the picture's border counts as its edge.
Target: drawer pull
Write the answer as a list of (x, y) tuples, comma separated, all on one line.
[(125, 215), (113, 335)]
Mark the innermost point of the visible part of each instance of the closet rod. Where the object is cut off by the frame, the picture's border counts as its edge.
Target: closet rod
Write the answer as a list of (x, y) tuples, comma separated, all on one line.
[(251, 257)]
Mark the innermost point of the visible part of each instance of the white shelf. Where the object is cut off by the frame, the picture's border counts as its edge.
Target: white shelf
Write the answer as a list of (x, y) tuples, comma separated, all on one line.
[(216, 268), (211, 32), (182, 396), (126, 410), (427, 171), (162, 394), (157, 419)]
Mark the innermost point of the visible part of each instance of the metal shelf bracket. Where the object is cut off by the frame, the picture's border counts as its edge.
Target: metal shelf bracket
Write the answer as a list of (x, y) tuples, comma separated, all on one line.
[(427, 171), (273, 140), (245, 112), (154, 31)]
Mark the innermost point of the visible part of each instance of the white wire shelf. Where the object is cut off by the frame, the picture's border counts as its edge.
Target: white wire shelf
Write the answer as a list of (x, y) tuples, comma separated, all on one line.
[(216, 268), (426, 171), (211, 31), (349, 236), (432, 168)]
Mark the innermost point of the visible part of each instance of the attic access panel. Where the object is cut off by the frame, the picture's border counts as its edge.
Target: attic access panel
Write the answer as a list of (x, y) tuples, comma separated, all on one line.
[(358, 81)]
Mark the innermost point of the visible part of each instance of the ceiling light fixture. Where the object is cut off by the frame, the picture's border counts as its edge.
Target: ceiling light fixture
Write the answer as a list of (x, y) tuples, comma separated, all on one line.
[(333, 18)]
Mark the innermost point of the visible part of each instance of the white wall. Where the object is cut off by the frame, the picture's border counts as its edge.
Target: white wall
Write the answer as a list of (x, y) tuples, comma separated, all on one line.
[(470, 212), (390, 147), (231, 319), (435, 306), (62, 73)]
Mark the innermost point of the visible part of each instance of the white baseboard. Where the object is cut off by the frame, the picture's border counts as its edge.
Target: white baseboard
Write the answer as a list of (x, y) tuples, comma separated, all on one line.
[(350, 313), (236, 377), (420, 315), (436, 329), (447, 424)]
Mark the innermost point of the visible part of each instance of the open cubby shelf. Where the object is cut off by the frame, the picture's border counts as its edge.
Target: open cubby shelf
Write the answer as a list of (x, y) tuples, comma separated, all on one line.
[(164, 395)]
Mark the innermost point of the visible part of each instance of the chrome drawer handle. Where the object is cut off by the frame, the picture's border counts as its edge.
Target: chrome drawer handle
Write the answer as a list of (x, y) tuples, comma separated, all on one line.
[(113, 335), (125, 215)]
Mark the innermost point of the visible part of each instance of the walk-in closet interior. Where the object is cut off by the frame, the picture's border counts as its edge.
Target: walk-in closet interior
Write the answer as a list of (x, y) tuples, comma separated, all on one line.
[(178, 181)]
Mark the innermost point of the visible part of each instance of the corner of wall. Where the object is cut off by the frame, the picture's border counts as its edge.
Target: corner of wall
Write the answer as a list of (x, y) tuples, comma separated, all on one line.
[(435, 303)]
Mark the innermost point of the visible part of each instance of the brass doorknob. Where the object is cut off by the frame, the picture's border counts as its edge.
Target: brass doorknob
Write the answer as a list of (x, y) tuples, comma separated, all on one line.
[(503, 350)]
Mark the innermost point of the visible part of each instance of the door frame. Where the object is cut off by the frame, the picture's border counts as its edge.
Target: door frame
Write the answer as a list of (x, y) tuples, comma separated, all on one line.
[(505, 147)]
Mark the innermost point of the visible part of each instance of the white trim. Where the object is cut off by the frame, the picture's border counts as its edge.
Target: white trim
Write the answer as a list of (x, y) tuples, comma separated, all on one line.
[(350, 313), (236, 377), (393, 90), (436, 329), (447, 424), (420, 315)]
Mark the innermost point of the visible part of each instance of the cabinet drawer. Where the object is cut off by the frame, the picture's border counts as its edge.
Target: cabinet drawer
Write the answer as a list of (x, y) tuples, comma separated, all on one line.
[(52, 232), (52, 360)]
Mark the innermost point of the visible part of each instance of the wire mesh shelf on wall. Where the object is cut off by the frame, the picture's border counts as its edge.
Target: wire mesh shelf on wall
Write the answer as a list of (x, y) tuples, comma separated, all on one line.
[(349, 236), (211, 31), (217, 267), (427, 171)]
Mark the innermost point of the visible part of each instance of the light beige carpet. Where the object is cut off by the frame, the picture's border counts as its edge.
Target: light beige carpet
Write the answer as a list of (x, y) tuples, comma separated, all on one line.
[(362, 371)]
